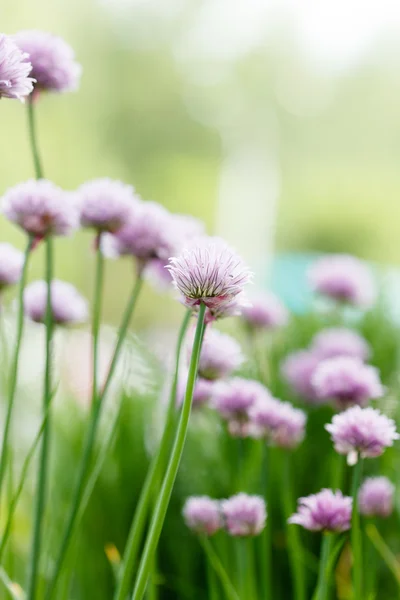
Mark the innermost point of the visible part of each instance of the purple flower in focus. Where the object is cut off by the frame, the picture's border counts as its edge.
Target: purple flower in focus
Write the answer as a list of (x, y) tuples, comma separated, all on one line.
[(325, 511), (343, 278), (208, 272), (220, 355), (298, 369), (15, 69), (375, 497), (11, 262), (362, 431), (265, 311), (280, 422), (202, 514), (40, 208), (68, 306), (340, 341), (105, 205), (53, 61), (347, 381), (244, 515)]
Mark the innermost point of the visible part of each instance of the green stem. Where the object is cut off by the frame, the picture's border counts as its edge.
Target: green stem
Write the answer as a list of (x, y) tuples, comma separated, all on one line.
[(241, 567), (216, 564), (98, 289), (323, 576), (338, 470), (387, 555), (265, 540), (12, 387), (294, 543), (356, 537), (173, 465), (212, 590), (153, 474), (43, 462), (89, 443), (32, 138)]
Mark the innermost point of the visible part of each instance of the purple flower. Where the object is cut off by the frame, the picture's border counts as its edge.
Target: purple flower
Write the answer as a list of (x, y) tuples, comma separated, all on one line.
[(347, 381), (202, 514), (375, 497), (244, 515), (53, 61), (364, 431), (15, 69), (298, 369), (40, 208), (325, 511), (220, 355), (343, 278), (68, 306), (208, 272), (202, 393), (279, 422), (265, 311), (340, 341), (105, 205), (11, 262), (233, 400)]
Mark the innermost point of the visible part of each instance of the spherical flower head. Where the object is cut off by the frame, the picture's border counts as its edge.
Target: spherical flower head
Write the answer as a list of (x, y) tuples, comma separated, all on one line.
[(265, 311), (298, 369), (40, 208), (68, 306), (362, 431), (347, 381), (244, 515), (343, 278), (340, 341), (202, 393), (325, 511), (11, 262), (375, 497), (105, 205), (202, 514), (220, 355), (15, 69), (234, 398), (53, 61), (280, 422), (208, 272)]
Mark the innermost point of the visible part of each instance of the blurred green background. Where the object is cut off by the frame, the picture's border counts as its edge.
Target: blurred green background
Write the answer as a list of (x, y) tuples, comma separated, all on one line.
[(277, 122)]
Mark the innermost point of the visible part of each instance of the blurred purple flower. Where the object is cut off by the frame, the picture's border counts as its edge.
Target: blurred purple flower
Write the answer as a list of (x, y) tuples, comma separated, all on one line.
[(105, 205), (244, 515), (325, 511), (53, 61), (11, 262), (340, 341), (265, 311), (280, 422), (15, 69), (202, 393), (362, 431), (220, 355), (68, 306), (202, 514), (209, 272), (298, 369), (347, 381), (343, 278), (375, 497), (40, 208), (233, 400)]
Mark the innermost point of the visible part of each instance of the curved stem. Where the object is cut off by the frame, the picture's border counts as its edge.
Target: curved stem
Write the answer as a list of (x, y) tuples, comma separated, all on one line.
[(356, 537), (173, 466), (89, 443), (216, 564), (153, 475), (323, 575), (98, 288), (32, 138), (12, 387), (43, 463)]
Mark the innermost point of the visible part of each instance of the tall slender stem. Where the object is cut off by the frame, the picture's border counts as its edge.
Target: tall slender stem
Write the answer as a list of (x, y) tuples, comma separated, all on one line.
[(153, 475), (356, 537), (214, 561), (89, 443), (173, 465), (98, 289), (294, 542), (43, 462), (32, 138), (265, 539), (323, 575), (12, 386)]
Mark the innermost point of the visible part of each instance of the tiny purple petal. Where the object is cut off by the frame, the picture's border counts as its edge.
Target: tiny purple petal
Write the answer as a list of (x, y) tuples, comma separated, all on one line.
[(325, 511)]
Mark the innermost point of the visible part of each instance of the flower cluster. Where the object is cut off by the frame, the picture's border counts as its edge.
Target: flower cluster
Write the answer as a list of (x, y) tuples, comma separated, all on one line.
[(15, 70), (325, 511), (375, 497), (279, 422), (265, 311)]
